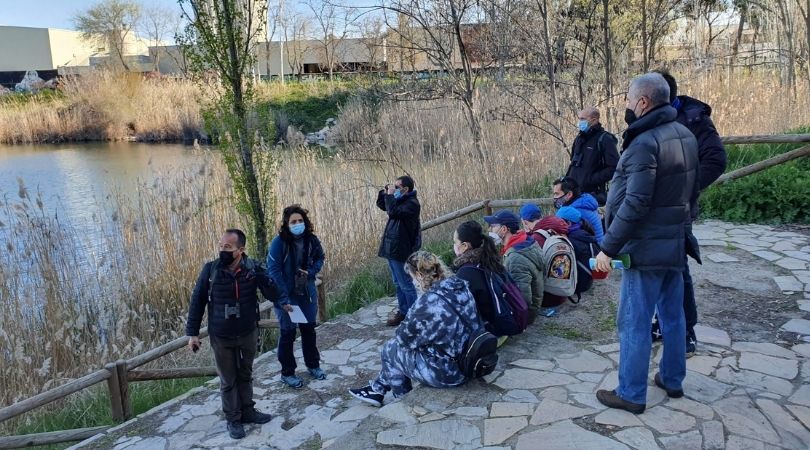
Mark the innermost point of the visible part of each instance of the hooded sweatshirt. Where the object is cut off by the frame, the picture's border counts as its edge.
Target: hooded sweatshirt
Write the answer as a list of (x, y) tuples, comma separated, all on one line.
[(587, 206), (524, 262)]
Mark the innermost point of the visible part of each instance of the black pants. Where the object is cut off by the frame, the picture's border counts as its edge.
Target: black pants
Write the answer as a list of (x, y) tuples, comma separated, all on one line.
[(234, 357), (312, 358)]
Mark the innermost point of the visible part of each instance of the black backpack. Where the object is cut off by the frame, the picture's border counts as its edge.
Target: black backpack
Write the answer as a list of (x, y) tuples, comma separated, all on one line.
[(479, 356)]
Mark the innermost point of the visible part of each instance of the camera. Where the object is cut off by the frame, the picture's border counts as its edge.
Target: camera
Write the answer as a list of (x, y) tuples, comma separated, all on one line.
[(300, 288), (232, 312)]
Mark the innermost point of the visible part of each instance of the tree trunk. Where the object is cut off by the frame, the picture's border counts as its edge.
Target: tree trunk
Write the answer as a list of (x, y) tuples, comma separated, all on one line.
[(469, 84), (645, 43), (608, 60), (735, 48), (551, 69)]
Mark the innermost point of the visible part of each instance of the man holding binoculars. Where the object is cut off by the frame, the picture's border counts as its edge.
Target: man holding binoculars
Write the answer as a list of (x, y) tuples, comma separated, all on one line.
[(228, 288)]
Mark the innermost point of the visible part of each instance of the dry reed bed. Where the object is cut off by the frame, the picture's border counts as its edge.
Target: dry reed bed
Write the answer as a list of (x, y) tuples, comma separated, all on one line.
[(106, 106), (135, 294)]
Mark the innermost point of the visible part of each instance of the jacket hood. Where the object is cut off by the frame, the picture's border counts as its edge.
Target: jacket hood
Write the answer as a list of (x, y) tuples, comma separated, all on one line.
[(692, 108), (585, 201), (518, 241), (552, 223), (452, 290), (657, 116)]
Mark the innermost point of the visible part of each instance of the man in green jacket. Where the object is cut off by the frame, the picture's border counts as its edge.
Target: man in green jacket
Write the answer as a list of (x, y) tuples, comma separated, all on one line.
[(522, 257)]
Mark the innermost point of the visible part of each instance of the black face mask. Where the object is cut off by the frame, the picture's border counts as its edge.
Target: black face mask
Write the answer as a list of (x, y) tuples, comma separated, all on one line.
[(226, 257), (629, 116)]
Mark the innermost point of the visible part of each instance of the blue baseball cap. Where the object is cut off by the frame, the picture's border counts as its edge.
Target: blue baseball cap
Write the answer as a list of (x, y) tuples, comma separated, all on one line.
[(530, 212), (504, 217), (570, 214)]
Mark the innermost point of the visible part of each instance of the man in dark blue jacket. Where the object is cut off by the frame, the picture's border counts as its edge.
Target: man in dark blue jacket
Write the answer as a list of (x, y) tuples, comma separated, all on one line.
[(227, 287), (649, 206), (696, 116), (402, 236)]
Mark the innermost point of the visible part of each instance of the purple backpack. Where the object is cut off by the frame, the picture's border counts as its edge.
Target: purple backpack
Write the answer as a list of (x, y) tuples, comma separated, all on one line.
[(513, 297)]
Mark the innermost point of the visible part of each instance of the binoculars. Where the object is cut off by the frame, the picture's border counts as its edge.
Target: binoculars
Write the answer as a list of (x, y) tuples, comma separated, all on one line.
[(232, 312)]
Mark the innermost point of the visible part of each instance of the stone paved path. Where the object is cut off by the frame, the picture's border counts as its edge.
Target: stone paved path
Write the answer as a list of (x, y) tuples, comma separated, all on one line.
[(741, 393)]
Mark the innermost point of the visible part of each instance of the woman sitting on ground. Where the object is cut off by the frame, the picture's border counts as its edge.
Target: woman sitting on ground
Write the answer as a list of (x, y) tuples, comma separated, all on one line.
[(477, 259), (430, 338)]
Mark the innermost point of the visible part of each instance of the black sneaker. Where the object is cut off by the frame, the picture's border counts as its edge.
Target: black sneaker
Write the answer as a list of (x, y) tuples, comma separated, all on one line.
[(611, 400), (256, 417), (368, 395), (671, 393), (236, 430), (655, 330), (691, 343)]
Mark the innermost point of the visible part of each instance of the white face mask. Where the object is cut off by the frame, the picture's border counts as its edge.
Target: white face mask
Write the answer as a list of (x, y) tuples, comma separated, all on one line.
[(496, 238)]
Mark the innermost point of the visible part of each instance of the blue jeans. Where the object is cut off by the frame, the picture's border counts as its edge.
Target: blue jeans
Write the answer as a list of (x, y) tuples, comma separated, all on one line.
[(406, 292), (642, 292)]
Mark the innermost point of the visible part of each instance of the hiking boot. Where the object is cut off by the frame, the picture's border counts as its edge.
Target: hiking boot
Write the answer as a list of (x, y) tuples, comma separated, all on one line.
[(611, 400), (395, 318), (236, 430), (254, 416), (368, 395), (671, 393), (317, 373), (691, 343), (292, 381)]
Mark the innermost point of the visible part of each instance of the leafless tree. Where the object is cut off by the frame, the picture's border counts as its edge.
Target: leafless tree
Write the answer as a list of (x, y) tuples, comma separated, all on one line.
[(157, 24), (296, 32), (372, 35), (331, 27), (110, 22)]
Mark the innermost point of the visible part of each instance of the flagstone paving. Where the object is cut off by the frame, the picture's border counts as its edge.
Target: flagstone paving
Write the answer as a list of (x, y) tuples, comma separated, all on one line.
[(747, 388)]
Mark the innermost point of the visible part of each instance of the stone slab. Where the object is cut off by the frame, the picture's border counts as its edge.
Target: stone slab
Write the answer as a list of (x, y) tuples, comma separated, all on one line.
[(617, 418), (684, 441), (721, 258), (567, 436), (798, 326), (585, 361), (713, 336), (703, 364), (793, 433), (788, 283), (552, 411), (511, 409), (764, 348), (534, 364), (802, 396), (532, 379), (713, 436), (522, 396), (798, 254), (769, 365), (754, 380), (767, 255), (704, 389), (440, 434), (791, 264), (667, 421), (498, 430), (741, 417), (691, 407), (638, 438)]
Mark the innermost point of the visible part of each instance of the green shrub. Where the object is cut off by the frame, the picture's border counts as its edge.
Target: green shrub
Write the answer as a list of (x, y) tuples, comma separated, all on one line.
[(371, 284), (779, 194)]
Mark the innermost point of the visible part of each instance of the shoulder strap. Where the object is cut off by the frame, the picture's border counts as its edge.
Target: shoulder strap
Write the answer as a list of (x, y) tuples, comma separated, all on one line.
[(213, 270), (599, 148)]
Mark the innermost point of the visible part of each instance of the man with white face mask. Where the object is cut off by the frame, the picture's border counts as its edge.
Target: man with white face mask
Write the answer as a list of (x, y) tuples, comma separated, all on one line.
[(593, 155), (522, 257)]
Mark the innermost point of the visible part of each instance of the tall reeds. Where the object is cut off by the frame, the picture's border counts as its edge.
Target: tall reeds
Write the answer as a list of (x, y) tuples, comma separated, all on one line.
[(69, 304)]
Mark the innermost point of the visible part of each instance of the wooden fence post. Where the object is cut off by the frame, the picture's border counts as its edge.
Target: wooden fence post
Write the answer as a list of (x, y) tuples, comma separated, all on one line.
[(487, 208), (114, 387), (123, 383)]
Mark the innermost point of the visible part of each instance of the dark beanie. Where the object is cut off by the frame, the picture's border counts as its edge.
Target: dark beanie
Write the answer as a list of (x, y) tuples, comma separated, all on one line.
[(471, 232)]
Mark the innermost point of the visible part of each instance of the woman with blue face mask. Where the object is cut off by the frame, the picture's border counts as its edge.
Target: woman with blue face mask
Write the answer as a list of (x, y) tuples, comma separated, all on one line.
[(294, 259)]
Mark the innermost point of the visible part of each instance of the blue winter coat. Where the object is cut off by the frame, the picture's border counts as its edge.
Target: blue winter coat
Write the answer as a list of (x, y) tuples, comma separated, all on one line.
[(281, 268), (587, 206)]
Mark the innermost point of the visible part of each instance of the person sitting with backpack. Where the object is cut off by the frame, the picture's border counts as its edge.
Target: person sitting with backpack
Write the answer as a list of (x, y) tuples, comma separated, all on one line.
[(566, 192), (522, 257), (582, 238), (429, 344), (503, 311), (539, 228)]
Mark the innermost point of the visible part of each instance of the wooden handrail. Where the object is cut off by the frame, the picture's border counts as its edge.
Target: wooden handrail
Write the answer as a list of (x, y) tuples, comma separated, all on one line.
[(123, 369), (52, 437), (767, 139)]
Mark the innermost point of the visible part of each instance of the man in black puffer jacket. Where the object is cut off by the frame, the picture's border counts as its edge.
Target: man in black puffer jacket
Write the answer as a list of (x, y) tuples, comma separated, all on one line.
[(401, 238), (696, 116), (649, 206), (227, 287)]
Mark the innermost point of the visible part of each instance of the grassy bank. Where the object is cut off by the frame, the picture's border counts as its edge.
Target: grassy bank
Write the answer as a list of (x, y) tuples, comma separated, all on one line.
[(777, 195)]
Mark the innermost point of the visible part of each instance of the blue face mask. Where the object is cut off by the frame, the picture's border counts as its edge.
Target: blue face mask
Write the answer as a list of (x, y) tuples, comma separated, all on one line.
[(583, 126), (397, 194), (298, 229)]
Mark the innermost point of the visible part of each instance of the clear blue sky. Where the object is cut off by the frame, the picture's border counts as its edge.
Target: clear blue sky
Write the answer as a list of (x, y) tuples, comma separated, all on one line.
[(54, 13)]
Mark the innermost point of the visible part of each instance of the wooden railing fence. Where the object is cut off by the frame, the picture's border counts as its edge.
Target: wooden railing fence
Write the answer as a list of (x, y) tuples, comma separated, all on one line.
[(120, 373)]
